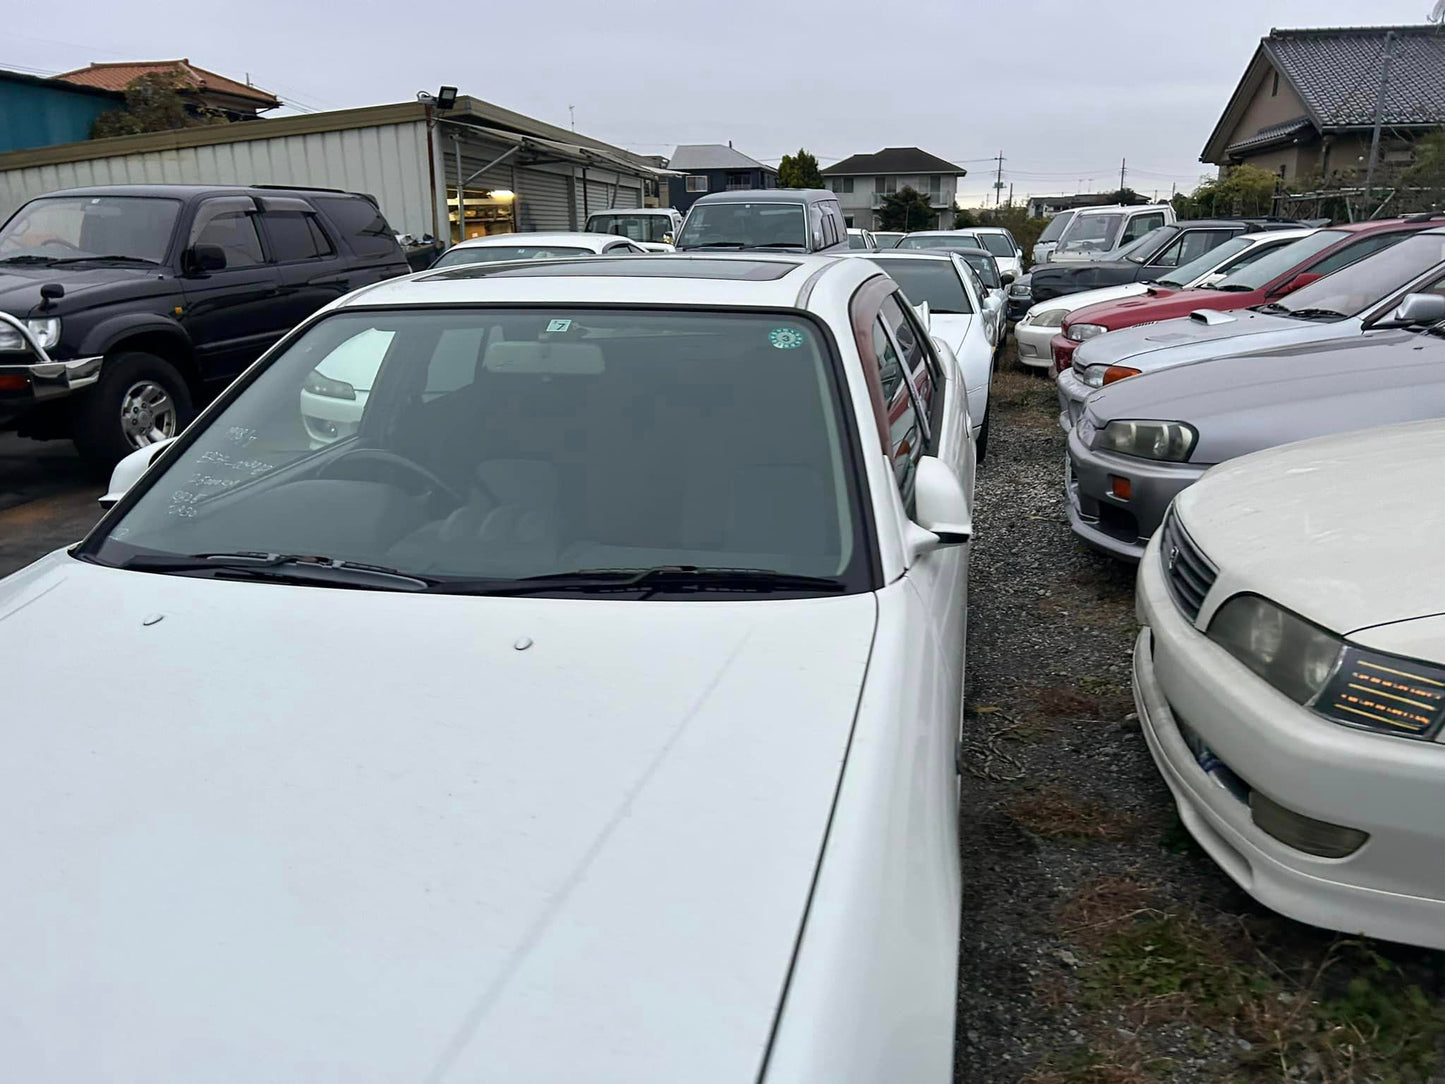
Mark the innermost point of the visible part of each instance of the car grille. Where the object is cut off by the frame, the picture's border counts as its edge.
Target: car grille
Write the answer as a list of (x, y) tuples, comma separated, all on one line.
[(1186, 570)]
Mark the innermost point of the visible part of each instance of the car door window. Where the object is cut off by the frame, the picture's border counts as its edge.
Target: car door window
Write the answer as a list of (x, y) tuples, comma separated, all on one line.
[(1358, 251), (911, 339), (906, 433), (1188, 246), (1139, 225), (453, 364), (295, 236), (232, 229)]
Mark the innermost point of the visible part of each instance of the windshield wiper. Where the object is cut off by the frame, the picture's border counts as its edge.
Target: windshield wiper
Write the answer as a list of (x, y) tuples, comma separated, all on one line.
[(648, 580), (1233, 288), (108, 259), (1273, 306), (29, 259), (1316, 314), (718, 244), (292, 567)]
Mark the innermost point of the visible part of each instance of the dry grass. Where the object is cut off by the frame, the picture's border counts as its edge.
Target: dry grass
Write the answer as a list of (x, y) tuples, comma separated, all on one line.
[(1054, 813), (1096, 910), (1096, 700), (1015, 391), (1089, 610)]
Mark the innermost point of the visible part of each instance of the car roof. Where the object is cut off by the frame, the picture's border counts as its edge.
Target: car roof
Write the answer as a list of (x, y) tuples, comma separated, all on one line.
[(1115, 208), (724, 280), (940, 233), (988, 229), (903, 253), (632, 211), (558, 238), (858, 229), (190, 191), (770, 195)]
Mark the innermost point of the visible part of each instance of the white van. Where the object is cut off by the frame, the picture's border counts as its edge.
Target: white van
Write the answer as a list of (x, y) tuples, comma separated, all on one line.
[(1094, 231)]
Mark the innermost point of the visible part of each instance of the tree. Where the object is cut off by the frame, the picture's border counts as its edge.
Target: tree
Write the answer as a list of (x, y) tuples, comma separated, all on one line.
[(964, 218), (153, 103), (905, 210), (1126, 196), (799, 171), (1244, 190)]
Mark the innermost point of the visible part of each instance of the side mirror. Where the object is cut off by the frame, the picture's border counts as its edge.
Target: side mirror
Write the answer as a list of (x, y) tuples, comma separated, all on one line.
[(941, 516), (128, 471), (1304, 278), (667, 238), (203, 259), (1008, 278), (1417, 310)]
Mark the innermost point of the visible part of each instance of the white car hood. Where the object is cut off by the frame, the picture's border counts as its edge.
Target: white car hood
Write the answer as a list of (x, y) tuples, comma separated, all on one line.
[(1174, 342), (1342, 529), (300, 834), (1073, 302)]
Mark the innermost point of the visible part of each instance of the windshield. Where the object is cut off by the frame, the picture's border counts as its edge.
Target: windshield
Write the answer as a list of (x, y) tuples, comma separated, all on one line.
[(523, 442), (457, 257), (745, 225), (939, 240), (1056, 226), (74, 227), (634, 227), (1200, 266), (857, 241), (887, 240), (934, 281), (986, 268), (998, 244), (1271, 266), (1091, 233), (1353, 289), (1145, 247)]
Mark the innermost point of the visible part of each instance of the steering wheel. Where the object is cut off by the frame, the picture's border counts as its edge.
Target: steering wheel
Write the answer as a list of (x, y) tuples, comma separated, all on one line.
[(59, 241), (433, 488)]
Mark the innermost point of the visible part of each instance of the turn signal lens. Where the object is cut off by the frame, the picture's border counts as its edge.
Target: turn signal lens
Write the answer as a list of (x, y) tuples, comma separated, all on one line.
[(1304, 833), (1121, 487), (1118, 372), (13, 383)]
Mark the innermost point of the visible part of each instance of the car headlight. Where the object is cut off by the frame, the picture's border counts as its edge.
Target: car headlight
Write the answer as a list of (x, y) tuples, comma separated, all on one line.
[(1096, 376), (1169, 442), (1047, 318), (1019, 289), (1084, 332), (1294, 656), (46, 331), (317, 384)]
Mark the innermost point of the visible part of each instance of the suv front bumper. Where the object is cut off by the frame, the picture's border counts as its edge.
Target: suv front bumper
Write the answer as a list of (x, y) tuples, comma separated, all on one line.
[(35, 377)]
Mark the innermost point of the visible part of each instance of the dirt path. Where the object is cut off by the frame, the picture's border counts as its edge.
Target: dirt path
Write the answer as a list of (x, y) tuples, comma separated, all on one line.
[(1101, 945)]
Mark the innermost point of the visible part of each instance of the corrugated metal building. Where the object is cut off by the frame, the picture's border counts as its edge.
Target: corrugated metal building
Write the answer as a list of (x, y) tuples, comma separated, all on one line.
[(36, 111), (515, 173)]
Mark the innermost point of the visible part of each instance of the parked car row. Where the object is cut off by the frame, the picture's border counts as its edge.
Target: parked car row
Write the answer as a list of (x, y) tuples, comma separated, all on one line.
[(1261, 444)]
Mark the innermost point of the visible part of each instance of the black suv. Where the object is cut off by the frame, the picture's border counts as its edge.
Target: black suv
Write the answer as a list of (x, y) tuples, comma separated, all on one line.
[(123, 307), (1156, 253)]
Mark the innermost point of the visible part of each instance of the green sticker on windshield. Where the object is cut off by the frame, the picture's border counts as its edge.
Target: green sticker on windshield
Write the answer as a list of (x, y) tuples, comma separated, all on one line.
[(785, 338), (559, 325)]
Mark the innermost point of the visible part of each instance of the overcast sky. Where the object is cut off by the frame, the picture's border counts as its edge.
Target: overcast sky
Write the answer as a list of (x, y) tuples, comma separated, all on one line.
[(1064, 88)]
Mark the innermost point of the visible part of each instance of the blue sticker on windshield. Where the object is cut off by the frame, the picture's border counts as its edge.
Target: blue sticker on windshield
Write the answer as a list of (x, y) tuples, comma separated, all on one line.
[(559, 325), (785, 338)]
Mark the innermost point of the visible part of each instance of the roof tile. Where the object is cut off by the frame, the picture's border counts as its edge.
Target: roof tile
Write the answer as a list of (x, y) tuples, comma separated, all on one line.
[(117, 76), (1337, 73), (906, 160)]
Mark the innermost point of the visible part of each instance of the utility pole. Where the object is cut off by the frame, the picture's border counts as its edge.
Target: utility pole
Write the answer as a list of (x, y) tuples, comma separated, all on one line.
[(572, 115), (998, 179), (1010, 194), (1379, 114), (1121, 174)]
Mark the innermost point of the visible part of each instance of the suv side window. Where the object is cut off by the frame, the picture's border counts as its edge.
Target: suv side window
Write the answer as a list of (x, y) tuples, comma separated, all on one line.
[(1190, 245), (363, 225), (227, 224), (816, 237), (1139, 225), (296, 236)]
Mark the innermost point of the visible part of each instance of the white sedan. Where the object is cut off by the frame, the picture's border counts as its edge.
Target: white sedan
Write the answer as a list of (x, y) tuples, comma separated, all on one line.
[(1042, 322), (590, 713), (957, 314), (1291, 676)]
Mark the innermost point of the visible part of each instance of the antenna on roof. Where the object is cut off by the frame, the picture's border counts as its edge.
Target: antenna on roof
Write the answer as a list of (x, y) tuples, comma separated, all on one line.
[(1437, 14)]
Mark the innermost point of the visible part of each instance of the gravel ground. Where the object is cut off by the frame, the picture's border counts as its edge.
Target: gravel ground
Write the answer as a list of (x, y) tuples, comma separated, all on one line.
[(1100, 944)]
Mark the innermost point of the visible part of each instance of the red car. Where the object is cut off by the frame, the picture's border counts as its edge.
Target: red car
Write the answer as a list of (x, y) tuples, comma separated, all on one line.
[(1258, 283)]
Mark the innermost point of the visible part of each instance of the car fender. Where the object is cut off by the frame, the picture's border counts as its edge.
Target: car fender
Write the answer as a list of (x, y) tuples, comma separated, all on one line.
[(114, 329)]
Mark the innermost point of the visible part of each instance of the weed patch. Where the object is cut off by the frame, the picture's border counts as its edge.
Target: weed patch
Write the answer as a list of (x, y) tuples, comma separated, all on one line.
[(1057, 814)]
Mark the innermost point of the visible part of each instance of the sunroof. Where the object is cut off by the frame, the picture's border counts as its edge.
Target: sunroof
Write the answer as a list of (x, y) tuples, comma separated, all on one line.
[(631, 267)]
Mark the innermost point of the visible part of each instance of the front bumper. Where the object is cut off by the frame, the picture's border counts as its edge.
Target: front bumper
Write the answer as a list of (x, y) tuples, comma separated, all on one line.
[(1120, 527), (1392, 887), (1072, 393), (1033, 345), (40, 378), (1017, 306), (1061, 349)]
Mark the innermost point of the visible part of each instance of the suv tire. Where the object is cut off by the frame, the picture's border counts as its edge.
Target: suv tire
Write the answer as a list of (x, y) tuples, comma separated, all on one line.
[(139, 399)]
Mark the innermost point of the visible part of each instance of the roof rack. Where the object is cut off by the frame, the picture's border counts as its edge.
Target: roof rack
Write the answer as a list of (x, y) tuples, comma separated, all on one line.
[(1423, 216), (302, 188)]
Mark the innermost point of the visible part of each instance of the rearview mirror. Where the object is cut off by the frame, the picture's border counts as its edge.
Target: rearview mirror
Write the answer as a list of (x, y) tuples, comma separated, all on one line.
[(1418, 310), (941, 516), (128, 471), (201, 259)]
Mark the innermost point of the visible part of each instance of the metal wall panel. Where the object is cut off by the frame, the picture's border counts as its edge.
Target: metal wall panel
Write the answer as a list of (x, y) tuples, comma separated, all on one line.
[(386, 161), (606, 190)]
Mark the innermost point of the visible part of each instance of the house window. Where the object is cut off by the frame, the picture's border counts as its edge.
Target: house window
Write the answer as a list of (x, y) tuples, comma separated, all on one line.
[(696, 182), (840, 184), (1273, 90), (886, 185), (935, 186), (738, 182)]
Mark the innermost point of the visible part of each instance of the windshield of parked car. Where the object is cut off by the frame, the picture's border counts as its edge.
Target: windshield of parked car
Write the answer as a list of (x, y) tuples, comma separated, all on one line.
[(938, 240), (1200, 266), (857, 241), (1360, 286), (507, 443), (634, 227), (985, 267), (1143, 249), (1274, 264), (75, 227), (998, 244), (745, 225), (887, 240), (1056, 226), (935, 281), (1091, 233), (460, 256)]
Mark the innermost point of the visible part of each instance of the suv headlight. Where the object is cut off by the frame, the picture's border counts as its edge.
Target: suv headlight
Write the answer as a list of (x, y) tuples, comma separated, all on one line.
[(1170, 442), (1084, 332), (46, 331), (1047, 318)]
